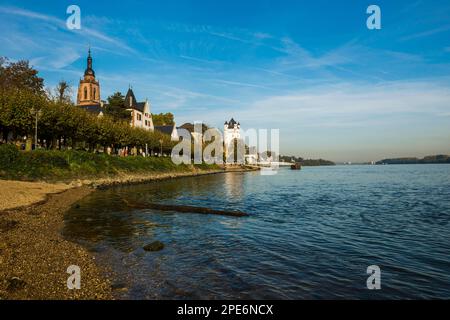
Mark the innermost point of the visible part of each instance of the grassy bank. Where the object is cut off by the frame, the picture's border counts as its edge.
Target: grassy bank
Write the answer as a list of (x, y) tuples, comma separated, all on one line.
[(47, 165)]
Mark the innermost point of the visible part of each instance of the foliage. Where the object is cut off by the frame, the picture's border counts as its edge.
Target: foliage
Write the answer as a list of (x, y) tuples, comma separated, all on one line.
[(8, 154), (426, 160), (163, 119), (62, 92), (316, 162), (19, 75), (16, 110), (116, 107), (307, 162), (22, 95)]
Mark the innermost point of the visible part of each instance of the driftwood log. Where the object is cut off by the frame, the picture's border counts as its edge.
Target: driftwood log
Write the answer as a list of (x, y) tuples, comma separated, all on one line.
[(185, 209)]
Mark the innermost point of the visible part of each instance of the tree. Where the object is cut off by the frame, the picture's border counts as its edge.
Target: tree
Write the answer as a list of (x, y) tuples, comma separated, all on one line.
[(163, 119), (116, 107), (19, 75), (63, 92), (20, 90)]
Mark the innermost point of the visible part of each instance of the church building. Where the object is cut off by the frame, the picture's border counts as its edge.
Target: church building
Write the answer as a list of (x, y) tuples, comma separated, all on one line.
[(89, 87), (88, 98)]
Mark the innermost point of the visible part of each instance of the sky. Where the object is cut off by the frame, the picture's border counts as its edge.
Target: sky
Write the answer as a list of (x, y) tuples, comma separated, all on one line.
[(312, 69)]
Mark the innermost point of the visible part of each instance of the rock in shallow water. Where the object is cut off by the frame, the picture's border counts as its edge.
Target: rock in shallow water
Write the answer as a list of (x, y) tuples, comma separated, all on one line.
[(154, 246), (7, 225), (15, 284)]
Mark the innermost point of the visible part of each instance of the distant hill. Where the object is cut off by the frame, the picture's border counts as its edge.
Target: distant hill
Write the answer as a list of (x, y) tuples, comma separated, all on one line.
[(426, 160), (307, 162)]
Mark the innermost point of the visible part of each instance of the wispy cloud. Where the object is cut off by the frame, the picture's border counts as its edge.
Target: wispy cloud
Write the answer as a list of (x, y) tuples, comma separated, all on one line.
[(426, 33), (243, 84), (85, 32)]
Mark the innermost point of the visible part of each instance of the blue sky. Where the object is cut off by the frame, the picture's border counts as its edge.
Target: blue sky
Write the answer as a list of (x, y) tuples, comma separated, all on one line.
[(335, 89)]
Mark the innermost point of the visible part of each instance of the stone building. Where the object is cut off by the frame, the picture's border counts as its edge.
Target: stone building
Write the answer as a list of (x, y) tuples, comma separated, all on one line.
[(89, 87)]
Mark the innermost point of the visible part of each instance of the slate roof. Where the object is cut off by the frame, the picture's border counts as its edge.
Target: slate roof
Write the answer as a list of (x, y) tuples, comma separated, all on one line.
[(133, 104), (140, 106), (94, 108), (231, 123), (165, 129), (130, 103)]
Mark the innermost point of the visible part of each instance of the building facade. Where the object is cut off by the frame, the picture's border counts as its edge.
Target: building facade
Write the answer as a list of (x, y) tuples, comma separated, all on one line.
[(231, 134), (231, 131), (141, 116)]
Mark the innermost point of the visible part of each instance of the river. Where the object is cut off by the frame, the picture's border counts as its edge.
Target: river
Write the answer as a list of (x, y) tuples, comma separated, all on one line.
[(311, 234)]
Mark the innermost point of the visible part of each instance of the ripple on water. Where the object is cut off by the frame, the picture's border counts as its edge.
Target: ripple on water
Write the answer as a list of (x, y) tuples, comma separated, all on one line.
[(311, 234)]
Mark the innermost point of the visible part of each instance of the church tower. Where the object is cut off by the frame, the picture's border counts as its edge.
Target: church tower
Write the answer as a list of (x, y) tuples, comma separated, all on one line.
[(89, 87)]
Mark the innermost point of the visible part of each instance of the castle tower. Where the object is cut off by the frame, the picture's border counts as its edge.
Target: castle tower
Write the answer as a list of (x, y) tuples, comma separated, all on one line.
[(89, 87), (231, 133)]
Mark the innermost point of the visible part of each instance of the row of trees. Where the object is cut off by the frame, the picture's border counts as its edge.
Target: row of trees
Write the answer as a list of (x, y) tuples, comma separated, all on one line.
[(61, 124)]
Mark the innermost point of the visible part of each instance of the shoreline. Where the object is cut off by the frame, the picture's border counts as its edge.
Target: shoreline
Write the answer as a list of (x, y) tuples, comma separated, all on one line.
[(34, 256)]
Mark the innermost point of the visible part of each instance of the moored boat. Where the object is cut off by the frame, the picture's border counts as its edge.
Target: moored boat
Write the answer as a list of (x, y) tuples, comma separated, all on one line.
[(296, 166)]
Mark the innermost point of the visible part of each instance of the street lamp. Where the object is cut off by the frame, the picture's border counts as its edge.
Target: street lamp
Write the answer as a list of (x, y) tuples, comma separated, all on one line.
[(36, 113), (161, 144)]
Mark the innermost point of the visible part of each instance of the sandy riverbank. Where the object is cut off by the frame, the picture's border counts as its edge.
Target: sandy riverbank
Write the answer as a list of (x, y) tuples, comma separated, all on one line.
[(33, 254), (19, 193)]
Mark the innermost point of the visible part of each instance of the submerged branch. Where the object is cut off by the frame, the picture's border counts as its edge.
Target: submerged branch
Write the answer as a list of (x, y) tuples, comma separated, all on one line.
[(184, 209)]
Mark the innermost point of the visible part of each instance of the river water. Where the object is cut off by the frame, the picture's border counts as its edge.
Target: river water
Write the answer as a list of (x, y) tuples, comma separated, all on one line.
[(311, 234)]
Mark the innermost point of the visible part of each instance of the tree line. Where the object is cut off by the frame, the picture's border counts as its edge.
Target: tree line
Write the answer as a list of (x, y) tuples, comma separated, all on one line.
[(60, 123)]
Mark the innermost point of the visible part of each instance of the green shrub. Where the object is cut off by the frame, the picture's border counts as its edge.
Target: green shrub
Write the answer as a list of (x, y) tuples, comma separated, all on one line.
[(43, 158), (66, 165), (8, 154)]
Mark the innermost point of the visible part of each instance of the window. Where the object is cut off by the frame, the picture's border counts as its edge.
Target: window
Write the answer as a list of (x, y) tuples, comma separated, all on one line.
[(139, 117), (85, 93), (95, 93)]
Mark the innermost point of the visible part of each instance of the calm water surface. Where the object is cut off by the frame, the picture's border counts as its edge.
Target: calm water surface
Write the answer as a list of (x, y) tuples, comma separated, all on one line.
[(311, 234)]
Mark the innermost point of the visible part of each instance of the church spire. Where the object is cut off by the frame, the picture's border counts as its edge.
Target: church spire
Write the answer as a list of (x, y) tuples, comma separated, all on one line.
[(89, 71)]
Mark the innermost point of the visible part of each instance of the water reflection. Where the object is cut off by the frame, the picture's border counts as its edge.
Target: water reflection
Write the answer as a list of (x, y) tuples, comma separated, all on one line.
[(234, 186)]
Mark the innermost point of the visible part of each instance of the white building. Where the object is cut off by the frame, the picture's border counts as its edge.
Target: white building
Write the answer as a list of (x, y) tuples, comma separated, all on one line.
[(231, 131), (141, 116)]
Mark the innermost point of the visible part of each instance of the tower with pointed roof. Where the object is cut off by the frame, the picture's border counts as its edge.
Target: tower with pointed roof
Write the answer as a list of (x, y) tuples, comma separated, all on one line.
[(231, 133), (89, 87), (141, 116)]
